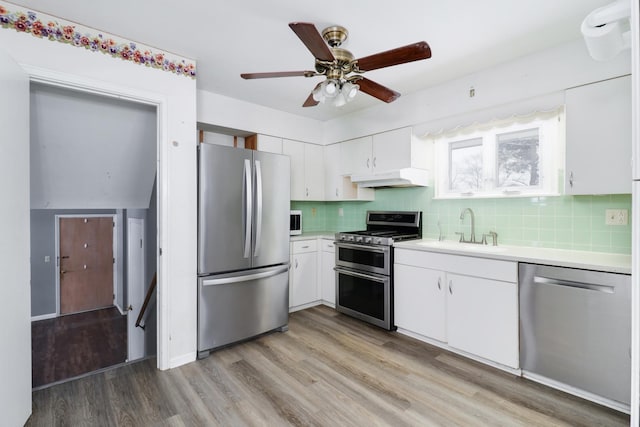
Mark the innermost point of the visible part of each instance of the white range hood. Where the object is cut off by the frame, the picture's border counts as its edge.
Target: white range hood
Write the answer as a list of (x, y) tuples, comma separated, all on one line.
[(407, 177)]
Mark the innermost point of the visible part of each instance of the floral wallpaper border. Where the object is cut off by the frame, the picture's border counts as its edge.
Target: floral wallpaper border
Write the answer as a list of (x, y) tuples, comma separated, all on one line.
[(46, 27)]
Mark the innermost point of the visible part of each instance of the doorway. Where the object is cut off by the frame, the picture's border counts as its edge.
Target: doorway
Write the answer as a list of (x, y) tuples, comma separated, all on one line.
[(89, 175)]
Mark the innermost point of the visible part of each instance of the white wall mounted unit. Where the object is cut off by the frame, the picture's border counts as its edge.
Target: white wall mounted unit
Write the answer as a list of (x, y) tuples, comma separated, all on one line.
[(407, 177), (606, 30)]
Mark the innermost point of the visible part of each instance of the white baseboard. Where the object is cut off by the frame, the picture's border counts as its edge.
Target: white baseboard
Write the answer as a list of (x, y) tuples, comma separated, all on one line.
[(329, 304), (43, 317), (122, 312), (509, 369), (618, 406), (303, 306), (182, 360)]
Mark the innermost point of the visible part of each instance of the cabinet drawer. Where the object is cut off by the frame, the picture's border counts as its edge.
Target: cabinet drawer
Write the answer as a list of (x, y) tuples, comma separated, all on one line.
[(506, 271), (303, 246), (327, 246)]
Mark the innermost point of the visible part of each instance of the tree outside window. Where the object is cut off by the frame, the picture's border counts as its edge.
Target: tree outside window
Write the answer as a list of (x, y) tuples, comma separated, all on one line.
[(518, 158), (465, 165)]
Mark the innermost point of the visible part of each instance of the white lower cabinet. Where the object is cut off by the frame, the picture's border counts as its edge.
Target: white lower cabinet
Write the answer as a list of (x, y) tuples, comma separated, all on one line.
[(327, 274), (482, 318), (420, 301), (303, 274), (467, 303)]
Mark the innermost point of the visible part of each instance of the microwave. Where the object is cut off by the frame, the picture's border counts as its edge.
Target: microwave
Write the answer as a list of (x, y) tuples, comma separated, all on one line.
[(295, 223)]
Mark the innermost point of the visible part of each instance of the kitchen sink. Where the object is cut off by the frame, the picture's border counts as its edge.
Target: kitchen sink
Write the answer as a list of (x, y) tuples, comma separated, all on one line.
[(467, 247)]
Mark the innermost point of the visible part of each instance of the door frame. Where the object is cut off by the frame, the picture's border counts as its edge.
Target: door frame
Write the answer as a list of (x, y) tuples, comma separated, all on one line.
[(116, 264), (161, 103), (131, 322)]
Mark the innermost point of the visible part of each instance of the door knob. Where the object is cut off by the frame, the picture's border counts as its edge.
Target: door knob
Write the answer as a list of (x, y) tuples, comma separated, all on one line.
[(130, 308)]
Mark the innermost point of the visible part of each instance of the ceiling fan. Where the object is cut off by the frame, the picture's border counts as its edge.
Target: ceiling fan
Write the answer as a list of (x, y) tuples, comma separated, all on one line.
[(342, 71)]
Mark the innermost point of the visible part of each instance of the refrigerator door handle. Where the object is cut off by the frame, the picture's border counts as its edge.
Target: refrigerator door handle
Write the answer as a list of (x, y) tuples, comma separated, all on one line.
[(258, 208), (248, 207), (245, 278)]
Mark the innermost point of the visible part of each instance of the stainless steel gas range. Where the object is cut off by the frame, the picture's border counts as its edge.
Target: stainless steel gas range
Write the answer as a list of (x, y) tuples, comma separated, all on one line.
[(364, 265)]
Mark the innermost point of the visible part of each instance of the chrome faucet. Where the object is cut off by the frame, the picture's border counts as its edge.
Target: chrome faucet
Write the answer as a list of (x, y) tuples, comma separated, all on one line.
[(473, 226)]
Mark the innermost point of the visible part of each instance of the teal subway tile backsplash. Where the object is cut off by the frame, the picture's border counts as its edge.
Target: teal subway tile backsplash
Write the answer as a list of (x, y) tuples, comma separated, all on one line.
[(564, 222)]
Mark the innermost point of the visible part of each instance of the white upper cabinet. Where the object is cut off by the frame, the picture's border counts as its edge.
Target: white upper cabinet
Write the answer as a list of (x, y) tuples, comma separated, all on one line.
[(598, 153), (398, 149), (356, 156), (269, 144), (313, 172), (307, 174), (392, 150), (337, 185)]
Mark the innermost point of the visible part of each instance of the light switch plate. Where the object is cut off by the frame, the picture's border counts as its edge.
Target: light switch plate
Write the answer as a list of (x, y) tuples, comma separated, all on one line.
[(616, 217)]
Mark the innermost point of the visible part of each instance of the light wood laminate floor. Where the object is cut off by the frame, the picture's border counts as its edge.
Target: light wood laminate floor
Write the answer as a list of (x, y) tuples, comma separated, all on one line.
[(327, 370)]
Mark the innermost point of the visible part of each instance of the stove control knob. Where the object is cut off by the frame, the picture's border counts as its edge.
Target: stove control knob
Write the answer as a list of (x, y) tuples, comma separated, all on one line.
[(350, 238), (358, 238), (367, 239), (378, 241)]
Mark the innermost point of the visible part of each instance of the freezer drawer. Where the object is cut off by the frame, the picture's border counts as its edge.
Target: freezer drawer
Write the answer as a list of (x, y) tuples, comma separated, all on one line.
[(575, 328), (236, 306)]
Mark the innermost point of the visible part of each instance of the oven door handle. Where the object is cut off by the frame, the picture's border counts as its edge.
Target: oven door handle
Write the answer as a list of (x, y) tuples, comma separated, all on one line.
[(360, 275), (367, 248)]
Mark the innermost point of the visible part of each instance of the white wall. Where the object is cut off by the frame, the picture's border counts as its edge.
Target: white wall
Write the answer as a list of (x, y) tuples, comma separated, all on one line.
[(228, 112), (541, 73), (176, 172)]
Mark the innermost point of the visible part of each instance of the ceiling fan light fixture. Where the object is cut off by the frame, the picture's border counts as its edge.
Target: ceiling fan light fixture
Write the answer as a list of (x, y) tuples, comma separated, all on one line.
[(339, 100), (317, 94), (330, 88), (349, 90)]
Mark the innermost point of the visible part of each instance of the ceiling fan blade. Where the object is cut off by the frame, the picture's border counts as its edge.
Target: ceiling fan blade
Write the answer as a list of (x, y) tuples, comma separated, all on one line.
[(310, 102), (278, 74), (312, 39), (400, 55), (377, 90)]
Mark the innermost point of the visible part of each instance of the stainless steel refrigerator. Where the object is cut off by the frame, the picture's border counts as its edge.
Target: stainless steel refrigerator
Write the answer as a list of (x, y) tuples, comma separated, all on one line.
[(243, 245)]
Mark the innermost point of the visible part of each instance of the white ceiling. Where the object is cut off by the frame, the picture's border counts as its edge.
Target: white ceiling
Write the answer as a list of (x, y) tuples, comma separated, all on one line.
[(229, 38)]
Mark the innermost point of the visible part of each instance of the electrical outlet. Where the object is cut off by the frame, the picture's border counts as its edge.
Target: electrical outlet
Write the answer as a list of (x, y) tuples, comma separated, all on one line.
[(314, 211), (340, 212), (616, 217)]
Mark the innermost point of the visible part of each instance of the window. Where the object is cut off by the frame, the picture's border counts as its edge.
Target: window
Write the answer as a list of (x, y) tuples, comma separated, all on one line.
[(465, 158), (518, 156)]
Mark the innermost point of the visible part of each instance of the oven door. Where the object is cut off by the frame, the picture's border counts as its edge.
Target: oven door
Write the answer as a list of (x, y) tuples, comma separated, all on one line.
[(372, 259), (365, 296)]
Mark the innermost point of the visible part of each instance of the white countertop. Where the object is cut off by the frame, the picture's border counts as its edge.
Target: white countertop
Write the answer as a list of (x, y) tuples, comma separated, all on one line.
[(313, 235), (600, 261)]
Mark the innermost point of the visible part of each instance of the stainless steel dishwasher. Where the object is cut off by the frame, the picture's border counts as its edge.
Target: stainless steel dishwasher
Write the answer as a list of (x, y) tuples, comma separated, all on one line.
[(575, 328)]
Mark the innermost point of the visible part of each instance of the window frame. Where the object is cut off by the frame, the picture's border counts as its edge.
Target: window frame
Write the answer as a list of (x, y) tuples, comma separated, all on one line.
[(551, 146)]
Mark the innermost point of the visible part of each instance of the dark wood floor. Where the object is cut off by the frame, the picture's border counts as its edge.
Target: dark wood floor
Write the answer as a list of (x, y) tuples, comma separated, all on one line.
[(72, 345), (327, 370)]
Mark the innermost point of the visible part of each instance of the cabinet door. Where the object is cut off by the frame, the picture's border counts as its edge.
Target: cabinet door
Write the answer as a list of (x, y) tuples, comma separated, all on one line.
[(313, 172), (332, 175), (303, 279), (269, 144), (482, 318), (598, 151), (328, 278), (356, 156), (392, 150), (420, 301), (295, 150)]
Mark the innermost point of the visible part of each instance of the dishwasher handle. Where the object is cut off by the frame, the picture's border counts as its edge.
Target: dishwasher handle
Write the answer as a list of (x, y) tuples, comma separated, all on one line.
[(571, 284)]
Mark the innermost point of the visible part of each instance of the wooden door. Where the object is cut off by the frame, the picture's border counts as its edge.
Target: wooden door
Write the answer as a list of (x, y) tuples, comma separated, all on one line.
[(86, 264)]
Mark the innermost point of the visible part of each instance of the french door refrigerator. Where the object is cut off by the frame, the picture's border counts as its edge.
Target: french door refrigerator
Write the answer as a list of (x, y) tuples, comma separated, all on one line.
[(243, 244)]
